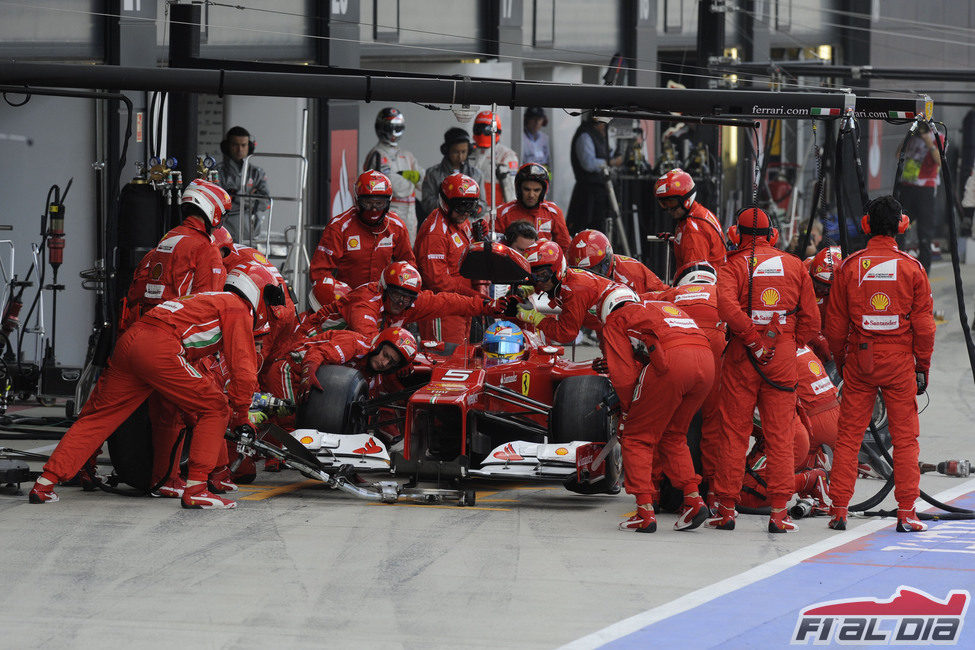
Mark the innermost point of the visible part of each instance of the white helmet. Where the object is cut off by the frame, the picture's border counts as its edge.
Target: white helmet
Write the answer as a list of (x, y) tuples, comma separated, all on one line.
[(695, 273), (209, 197), (616, 296)]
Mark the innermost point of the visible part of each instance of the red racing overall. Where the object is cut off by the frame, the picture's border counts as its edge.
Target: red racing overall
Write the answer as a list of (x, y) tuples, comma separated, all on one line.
[(156, 355), (782, 298), (701, 303), (661, 385), (698, 237), (440, 246), (546, 218), (881, 331), (355, 253)]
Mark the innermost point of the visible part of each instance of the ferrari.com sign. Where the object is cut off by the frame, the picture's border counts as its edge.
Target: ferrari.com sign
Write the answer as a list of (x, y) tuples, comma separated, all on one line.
[(909, 617)]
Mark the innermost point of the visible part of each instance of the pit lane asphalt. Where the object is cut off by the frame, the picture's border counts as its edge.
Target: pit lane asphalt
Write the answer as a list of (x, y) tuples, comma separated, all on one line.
[(301, 566)]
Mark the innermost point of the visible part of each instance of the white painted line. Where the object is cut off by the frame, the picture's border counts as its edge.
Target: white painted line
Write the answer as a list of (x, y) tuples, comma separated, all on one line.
[(705, 594)]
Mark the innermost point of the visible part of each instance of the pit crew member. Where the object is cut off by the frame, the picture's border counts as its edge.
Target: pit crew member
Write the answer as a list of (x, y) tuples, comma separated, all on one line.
[(695, 291), (574, 291), (766, 298), (661, 368), (881, 330), (499, 180), (440, 247), (399, 165), (591, 250), (358, 244), (156, 355), (531, 186), (821, 268), (697, 235), (185, 261)]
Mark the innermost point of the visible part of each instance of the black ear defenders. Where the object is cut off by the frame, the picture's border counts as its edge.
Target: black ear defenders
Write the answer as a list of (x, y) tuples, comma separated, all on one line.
[(225, 143)]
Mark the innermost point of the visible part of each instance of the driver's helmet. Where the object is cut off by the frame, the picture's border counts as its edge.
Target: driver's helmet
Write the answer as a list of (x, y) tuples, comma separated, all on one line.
[(503, 342)]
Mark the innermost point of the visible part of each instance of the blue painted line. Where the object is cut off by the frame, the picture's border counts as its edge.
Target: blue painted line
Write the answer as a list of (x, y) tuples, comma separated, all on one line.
[(765, 613)]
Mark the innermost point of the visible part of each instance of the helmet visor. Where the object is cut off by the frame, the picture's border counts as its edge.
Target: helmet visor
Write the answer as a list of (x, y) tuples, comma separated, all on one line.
[(501, 347), (542, 275), (466, 206), (400, 297)]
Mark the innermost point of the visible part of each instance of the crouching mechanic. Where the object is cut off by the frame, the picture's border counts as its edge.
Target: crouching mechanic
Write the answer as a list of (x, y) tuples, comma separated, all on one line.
[(398, 299), (155, 355), (766, 298), (660, 365), (881, 332), (591, 250), (389, 351)]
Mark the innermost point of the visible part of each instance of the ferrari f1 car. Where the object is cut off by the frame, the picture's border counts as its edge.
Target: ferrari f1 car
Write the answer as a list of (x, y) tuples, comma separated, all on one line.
[(509, 410)]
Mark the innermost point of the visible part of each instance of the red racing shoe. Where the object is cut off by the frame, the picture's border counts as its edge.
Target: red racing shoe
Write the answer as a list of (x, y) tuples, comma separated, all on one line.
[(692, 514), (837, 518), (780, 522), (644, 521), (724, 518), (42, 494), (172, 488), (221, 481), (907, 522), (198, 497)]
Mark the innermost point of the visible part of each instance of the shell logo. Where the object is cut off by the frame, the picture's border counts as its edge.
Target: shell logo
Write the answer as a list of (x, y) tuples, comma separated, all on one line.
[(694, 289), (306, 440), (156, 271), (562, 451), (673, 311), (676, 183), (880, 301), (354, 242), (260, 258), (770, 297), (865, 263), (815, 368)]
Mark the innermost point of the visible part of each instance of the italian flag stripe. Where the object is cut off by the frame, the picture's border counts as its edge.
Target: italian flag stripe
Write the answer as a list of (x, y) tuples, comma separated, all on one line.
[(900, 115), (202, 339), (825, 112)]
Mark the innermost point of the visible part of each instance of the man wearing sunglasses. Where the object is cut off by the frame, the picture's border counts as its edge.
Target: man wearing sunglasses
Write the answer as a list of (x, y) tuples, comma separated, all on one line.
[(697, 233), (574, 291)]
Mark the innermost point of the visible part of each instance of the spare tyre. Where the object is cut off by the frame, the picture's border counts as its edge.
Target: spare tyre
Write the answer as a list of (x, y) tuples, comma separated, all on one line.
[(337, 407)]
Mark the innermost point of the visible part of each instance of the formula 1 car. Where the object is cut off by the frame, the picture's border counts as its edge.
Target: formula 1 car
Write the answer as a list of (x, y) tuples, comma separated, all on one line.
[(464, 415)]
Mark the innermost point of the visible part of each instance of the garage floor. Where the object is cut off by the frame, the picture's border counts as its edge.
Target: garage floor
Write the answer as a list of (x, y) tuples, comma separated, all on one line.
[(299, 566)]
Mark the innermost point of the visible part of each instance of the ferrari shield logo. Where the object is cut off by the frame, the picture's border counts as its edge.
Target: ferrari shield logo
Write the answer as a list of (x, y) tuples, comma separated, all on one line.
[(865, 263), (526, 380)]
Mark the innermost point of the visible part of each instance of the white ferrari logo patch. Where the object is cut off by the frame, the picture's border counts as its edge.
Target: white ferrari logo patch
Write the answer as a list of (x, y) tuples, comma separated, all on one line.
[(769, 267)]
